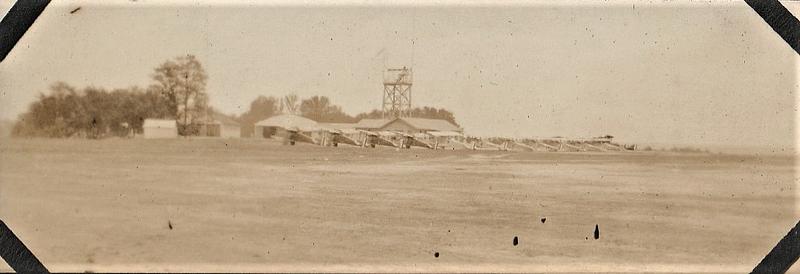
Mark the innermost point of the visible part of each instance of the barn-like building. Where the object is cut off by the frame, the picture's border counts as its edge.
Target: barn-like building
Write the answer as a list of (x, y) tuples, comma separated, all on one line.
[(410, 126)]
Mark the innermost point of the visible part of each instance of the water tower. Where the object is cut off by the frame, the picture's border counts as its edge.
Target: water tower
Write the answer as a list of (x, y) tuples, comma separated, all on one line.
[(397, 92)]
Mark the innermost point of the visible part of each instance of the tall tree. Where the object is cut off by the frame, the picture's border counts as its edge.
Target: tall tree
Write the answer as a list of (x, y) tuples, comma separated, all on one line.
[(182, 81), (290, 104), (315, 108)]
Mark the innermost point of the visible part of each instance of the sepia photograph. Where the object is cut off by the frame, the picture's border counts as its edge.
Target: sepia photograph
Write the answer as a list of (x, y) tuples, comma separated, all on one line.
[(399, 136)]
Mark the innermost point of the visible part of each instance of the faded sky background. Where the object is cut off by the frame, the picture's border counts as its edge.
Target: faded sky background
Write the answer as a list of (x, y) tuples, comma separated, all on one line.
[(694, 74)]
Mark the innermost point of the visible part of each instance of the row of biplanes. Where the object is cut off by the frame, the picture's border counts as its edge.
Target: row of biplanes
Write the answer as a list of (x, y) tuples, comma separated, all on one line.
[(403, 140), (334, 137), (552, 145)]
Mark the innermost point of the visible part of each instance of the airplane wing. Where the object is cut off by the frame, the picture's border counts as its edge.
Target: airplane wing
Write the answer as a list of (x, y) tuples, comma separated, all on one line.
[(300, 137), (338, 138), (381, 141), (414, 142)]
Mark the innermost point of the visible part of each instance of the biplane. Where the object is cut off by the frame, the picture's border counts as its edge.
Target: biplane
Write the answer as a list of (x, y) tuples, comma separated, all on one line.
[(410, 140), (373, 139), (294, 134), (337, 136)]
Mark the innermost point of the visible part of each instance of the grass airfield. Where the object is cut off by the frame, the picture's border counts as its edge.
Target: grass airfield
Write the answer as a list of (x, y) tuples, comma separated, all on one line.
[(257, 205)]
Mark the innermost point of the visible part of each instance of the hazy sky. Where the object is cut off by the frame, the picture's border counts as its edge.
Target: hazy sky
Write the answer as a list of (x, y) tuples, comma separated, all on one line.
[(690, 73)]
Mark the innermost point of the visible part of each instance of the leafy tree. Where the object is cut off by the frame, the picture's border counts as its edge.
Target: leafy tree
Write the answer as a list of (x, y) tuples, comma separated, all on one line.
[(58, 114), (92, 112), (99, 112), (320, 109), (182, 82), (154, 105)]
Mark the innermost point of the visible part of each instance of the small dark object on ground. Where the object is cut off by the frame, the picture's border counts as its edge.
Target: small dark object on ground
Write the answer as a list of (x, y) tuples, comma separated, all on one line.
[(596, 232)]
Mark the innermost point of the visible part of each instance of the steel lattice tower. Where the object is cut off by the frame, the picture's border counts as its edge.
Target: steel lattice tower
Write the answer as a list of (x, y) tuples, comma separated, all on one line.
[(397, 93)]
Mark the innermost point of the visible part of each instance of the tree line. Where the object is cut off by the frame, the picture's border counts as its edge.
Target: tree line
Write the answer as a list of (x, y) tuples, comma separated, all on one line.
[(178, 91), (90, 112)]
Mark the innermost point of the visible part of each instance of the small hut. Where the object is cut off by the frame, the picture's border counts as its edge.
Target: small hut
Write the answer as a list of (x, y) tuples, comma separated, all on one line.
[(219, 125), (158, 129)]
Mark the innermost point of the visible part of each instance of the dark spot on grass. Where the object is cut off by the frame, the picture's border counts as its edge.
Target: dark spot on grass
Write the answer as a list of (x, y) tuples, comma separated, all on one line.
[(596, 232)]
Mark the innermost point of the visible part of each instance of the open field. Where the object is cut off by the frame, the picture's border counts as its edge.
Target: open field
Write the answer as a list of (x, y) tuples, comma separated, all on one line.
[(255, 205)]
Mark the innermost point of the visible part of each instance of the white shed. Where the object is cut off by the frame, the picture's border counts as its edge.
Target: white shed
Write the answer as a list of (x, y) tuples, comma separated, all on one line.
[(155, 129)]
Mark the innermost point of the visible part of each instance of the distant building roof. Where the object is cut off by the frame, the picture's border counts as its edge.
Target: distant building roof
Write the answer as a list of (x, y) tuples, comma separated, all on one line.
[(430, 124), (287, 121), (224, 119), (372, 123), (418, 123), (159, 123)]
